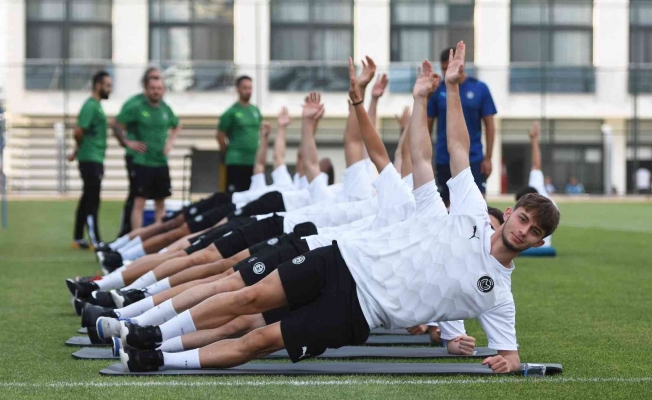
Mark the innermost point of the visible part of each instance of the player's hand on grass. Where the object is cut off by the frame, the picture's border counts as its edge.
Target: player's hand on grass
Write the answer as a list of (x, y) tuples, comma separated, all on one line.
[(535, 131), (379, 87), (465, 344), (455, 69), (313, 109), (498, 364), (427, 81), (138, 147), (283, 118), (417, 329)]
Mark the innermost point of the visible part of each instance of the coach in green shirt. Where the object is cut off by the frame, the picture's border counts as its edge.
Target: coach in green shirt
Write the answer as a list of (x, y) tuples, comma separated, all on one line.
[(150, 120), (237, 135), (90, 140)]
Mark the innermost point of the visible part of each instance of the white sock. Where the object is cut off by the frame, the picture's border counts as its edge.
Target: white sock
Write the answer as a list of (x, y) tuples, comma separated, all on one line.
[(135, 241), (158, 287), (111, 281), (143, 281), (173, 345), (135, 309), (119, 242), (134, 252), (158, 315), (121, 269), (184, 360), (178, 326)]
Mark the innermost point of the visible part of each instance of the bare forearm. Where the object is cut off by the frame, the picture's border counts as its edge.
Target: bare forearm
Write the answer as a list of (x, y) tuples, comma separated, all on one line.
[(78, 135), (280, 147), (221, 141), (172, 137), (308, 149), (419, 144), (119, 133), (261, 156), (536, 155), (373, 106), (406, 168), (457, 135), (490, 135), (372, 141), (354, 150)]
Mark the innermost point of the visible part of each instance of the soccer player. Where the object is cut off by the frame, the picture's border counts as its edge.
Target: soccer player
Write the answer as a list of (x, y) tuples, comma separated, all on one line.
[(434, 266), (151, 120), (90, 146), (478, 107), (239, 125), (132, 146)]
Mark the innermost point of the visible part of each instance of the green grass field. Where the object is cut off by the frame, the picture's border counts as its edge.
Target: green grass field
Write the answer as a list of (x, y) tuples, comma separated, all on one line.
[(589, 309)]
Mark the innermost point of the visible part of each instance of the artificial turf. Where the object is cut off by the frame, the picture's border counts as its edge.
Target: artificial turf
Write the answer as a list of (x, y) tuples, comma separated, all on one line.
[(588, 309)]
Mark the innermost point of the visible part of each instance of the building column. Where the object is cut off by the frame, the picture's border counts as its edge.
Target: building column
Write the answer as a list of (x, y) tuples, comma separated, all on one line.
[(371, 21), (619, 154), (492, 27), (611, 50), (130, 45)]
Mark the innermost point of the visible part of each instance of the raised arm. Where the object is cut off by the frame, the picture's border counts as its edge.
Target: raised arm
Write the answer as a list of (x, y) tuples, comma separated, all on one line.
[(457, 135), (418, 135), (376, 93), (261, 154), (402, 159), (280, 143), (372, 140), (313, 110), (354, 149), (535, 132)]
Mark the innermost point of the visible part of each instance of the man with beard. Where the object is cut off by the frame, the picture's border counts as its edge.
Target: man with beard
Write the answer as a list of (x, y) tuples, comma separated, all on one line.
[(151, 119), (90, 147), (239, 124)]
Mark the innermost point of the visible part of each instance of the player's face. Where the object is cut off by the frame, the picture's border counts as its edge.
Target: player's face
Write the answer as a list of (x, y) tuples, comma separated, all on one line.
[(520, 231), (105, 88), (155, 90), (244, 90)]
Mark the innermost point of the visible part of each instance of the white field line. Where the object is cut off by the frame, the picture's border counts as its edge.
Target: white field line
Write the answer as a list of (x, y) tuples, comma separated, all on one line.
[(294, 382)]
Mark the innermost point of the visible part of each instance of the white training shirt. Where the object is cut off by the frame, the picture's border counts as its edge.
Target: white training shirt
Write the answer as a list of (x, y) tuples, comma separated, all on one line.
[(281, 180), (435, 266), (537, 181), (642, 179)]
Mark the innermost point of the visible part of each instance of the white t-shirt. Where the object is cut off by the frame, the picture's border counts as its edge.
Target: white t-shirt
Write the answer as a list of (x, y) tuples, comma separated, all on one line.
[(642, 179), (332, 214), (281, 180), (435, 266), (357, 181), (450, 329), (537, 181)]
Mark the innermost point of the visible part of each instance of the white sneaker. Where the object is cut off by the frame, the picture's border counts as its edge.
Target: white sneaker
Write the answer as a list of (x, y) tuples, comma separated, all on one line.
[(117, 298), (107, 327)]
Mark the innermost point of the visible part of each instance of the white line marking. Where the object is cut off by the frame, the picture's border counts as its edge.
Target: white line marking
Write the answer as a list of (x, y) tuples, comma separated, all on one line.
[(345, 382)]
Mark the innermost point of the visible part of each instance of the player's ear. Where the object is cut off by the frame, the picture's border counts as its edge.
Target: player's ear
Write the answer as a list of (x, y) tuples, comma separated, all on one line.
[(507, 213), (539, 244)]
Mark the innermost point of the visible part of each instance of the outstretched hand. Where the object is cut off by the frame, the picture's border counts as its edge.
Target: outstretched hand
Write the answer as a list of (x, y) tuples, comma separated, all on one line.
[(404, 118), (354, 90), (283, 119), (267, 129), (368, 72), (380, 86), (455, 70), (313, 109), (535, 131), (427, 80)]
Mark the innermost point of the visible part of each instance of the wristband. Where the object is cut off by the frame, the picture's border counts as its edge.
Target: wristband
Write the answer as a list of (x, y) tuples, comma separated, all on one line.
[(358, 103)]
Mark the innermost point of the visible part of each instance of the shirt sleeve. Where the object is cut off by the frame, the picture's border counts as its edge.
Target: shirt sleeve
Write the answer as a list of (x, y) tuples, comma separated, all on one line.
[(452, 329), (465, 196), (499, 325), (428, 201), (488, 107), (433, 111), (536, 181), (226, 122), (127, 115), (174, 120), (86, 115), (257, 182), (391, 190)]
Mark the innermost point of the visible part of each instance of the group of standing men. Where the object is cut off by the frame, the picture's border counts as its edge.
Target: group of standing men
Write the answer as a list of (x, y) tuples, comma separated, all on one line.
[(147, 128)]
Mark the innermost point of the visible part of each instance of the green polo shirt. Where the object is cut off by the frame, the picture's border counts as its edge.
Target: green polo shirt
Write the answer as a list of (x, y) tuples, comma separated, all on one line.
[(241, 125), (92, 120)]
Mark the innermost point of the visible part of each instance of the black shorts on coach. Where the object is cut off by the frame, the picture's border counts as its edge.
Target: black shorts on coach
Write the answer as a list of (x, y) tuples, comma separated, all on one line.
[(152, 182), (322, 295)]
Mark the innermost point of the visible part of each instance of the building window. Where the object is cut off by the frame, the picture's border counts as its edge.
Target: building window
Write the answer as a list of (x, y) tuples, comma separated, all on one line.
[(311, 41), (66, 42), (551, 46), (192, 41), (639, 149), (568, 148), (640, 46), (422, 30)]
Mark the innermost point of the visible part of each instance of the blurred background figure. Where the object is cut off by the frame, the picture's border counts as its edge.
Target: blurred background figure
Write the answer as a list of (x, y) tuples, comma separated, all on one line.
[(550, 188), (573, 187), (642, 181)]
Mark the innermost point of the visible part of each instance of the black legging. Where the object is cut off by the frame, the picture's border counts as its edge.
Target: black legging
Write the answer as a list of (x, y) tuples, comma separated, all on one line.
[(89, 203), (125, 223)]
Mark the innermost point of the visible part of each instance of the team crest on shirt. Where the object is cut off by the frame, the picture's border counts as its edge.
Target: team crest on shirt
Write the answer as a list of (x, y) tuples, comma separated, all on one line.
[(238, 114), (485, 284), (252, 259), (259, 268), (470, 95), (298, 260), (272, 241), (145, 114)]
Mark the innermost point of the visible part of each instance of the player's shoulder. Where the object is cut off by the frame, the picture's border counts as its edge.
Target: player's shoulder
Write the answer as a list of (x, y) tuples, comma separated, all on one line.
[(90, 104)]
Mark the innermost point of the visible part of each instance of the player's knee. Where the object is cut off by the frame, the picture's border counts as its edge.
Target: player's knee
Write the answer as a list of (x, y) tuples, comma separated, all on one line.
[(247, 299), (259, 341)]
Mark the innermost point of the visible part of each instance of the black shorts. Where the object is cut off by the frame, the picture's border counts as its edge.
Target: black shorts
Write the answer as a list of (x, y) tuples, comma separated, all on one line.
[(256, 268), (325, 308), (131, 174), (153, 182), (207, 238), (268, 203), (275, 315), (209, 218), (242, 238), (300, 230), (238, 177), (444, 174)]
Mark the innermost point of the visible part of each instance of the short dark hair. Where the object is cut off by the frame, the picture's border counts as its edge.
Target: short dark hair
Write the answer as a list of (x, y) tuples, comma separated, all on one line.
[(99, 78), (143, 80), (496, 213), (525, 190), (326, 166), (150, 79), (443, 57), (242, 78), (544, 211)]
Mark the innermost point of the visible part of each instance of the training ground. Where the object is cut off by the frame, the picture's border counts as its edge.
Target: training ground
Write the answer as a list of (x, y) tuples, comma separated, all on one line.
[(589, 309)]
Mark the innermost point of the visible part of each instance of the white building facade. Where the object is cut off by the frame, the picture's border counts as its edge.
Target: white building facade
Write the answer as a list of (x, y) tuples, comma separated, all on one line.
[(573, 64)]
